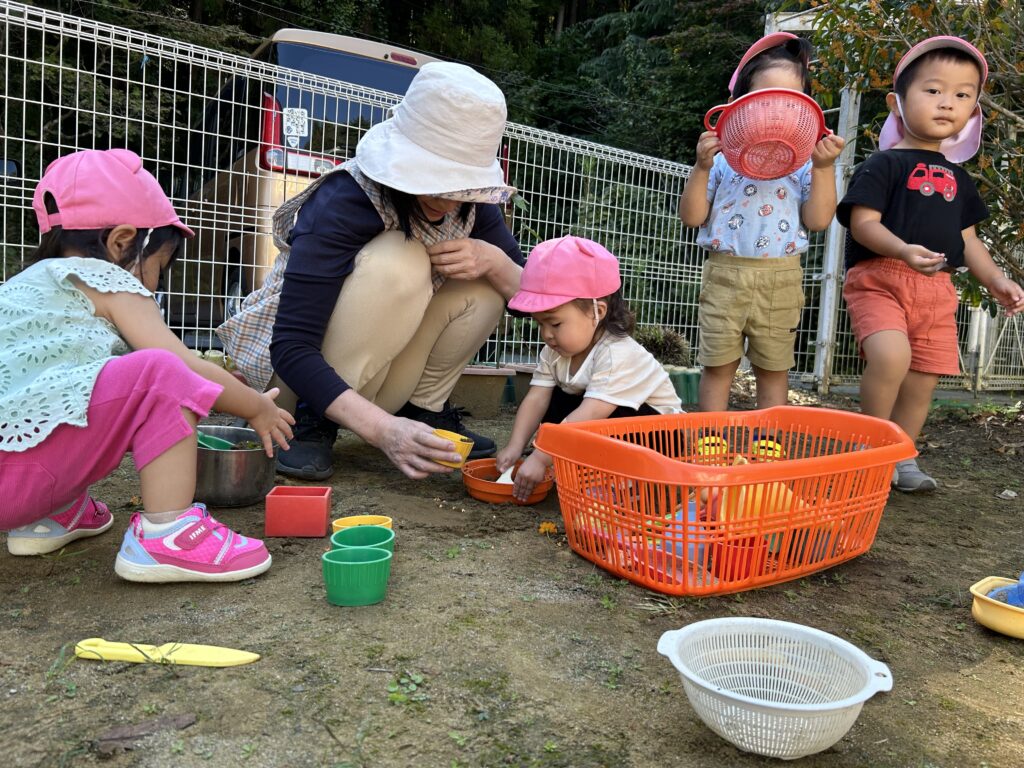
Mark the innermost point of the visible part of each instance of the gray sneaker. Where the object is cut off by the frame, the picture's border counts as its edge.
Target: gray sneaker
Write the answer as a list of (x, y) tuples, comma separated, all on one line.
[(909, 478)]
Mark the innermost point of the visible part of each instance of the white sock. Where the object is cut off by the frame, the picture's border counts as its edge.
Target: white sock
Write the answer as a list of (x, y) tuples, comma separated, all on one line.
[(161, 521)]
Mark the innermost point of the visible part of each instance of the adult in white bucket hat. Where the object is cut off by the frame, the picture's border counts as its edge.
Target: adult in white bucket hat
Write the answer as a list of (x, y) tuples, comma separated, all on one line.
[(393, 271)]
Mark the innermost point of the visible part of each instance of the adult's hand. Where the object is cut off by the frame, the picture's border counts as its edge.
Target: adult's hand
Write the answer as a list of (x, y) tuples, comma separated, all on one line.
[(410, 445), (413, 447), (469, 259), (465, 258)]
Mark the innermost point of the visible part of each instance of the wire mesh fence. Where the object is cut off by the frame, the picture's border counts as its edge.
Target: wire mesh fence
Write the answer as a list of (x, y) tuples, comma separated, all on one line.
[(231, 137)]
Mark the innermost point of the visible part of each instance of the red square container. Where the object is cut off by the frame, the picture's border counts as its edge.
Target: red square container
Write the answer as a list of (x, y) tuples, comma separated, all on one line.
[(294, 510)]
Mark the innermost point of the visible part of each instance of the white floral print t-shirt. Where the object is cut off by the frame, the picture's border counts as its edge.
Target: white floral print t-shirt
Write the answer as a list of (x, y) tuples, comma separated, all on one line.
[(757, 219)]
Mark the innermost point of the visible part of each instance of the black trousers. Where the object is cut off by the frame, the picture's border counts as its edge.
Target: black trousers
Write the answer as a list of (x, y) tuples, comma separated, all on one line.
[(562, 404)]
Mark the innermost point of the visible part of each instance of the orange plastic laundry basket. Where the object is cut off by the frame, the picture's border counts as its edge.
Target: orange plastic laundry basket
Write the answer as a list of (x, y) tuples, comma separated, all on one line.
[(653, 500)]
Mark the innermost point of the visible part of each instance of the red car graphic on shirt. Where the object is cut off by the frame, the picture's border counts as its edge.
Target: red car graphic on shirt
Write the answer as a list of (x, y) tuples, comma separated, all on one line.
[(929, 179)]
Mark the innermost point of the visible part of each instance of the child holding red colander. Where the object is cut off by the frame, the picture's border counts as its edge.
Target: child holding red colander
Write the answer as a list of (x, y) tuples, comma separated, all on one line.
[(755, 231)]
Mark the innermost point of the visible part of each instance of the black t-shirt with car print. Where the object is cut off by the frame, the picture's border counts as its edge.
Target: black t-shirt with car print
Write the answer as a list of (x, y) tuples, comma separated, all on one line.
[(924, 200)]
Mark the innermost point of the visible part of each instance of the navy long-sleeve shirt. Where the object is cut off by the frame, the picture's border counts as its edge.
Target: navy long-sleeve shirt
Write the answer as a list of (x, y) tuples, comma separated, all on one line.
[(332, 228)]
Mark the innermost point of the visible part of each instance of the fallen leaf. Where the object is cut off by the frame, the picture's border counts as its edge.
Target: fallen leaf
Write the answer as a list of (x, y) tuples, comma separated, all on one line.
[(1006, 494)]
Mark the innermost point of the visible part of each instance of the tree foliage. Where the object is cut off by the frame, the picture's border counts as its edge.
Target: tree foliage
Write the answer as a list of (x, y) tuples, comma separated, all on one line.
[(861, 42), (636, 74)]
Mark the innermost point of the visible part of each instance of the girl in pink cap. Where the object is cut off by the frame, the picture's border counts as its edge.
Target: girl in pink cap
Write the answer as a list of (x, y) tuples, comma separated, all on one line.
[(590, 368), (89, 372), (756, 231), (910, 212)]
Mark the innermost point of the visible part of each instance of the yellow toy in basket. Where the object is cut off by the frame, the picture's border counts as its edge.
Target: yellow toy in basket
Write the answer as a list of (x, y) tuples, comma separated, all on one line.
[(747, 500)]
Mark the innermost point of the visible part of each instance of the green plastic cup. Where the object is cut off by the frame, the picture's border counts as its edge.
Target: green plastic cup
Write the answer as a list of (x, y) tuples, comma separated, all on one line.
[(357, 575), (364, 536)]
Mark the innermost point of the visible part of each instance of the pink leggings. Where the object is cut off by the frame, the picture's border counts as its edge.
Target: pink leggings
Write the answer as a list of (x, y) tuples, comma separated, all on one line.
[(135, 406)]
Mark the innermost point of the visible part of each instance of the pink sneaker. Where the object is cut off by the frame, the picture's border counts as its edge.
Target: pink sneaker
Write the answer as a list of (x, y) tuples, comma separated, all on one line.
[(85, 517), (195, 547)]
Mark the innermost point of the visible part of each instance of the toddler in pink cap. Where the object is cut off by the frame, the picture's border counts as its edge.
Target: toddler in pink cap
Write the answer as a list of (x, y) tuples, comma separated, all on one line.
[(89, 372), (591, 367), (910, 212)]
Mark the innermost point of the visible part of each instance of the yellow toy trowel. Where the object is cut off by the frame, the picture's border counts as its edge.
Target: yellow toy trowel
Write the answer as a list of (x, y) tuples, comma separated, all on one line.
[(169, 653)]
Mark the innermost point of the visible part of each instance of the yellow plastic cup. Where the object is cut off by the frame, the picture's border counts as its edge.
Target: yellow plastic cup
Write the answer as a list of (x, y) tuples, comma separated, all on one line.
[(351, 520), (462, 444)]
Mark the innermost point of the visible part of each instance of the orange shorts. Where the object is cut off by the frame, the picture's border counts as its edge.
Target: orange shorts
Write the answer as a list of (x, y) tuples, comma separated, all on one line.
[(887, 295)]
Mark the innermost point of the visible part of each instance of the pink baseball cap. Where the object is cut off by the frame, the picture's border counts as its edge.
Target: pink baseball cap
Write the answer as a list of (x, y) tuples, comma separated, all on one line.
[(562, 270), (101, 189), (961, 146), (773, 40)]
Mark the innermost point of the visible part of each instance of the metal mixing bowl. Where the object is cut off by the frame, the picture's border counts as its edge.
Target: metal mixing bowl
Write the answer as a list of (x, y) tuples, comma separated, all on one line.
[(235, 478)]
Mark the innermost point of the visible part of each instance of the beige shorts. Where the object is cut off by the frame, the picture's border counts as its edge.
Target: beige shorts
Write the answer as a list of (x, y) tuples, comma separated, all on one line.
[(758, 301)]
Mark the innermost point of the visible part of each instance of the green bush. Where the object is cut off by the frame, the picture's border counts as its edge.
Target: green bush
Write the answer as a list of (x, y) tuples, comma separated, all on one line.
[(669, 346)]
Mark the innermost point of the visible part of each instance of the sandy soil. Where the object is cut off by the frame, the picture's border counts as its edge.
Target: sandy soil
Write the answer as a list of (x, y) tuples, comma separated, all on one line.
[(526, 655)]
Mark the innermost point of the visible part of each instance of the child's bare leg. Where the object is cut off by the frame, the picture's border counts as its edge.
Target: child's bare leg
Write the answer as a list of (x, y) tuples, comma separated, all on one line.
[(772, 387), (888, 361), (915, 398), (169, 481), (910, 412), (715, 382), (890, 390)]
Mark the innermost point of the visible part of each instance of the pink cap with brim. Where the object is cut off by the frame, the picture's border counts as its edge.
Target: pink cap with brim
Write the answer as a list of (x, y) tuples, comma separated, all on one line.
[(961, 146), (102, 189), (773, 40), (562, 270)]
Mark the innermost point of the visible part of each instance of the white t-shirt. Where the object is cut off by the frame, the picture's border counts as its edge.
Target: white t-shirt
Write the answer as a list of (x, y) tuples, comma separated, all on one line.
[(618, 371)]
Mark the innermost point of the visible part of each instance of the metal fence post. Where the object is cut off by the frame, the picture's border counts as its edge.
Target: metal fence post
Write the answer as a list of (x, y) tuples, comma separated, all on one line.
[(832, 268)]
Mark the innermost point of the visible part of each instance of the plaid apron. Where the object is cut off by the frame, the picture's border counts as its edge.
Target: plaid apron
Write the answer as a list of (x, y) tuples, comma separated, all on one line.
[(247, 335)]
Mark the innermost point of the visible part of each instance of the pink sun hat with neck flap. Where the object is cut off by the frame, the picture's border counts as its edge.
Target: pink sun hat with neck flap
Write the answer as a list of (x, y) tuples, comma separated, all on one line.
[(961, 146), (772, 40), (103, 189), (563, 270)]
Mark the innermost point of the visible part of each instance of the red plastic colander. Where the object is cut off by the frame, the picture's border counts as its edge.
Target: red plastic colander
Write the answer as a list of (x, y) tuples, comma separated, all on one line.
[(770, 133)]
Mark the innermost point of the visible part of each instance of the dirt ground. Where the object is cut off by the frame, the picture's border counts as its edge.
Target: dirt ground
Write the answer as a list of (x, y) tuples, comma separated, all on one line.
[(498, 646)]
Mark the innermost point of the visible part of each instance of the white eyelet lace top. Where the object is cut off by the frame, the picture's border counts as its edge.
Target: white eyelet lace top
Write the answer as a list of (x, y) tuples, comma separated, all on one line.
[(52, 346)]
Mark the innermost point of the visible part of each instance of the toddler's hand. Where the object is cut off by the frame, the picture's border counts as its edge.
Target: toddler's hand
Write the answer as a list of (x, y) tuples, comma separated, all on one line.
[(827, 150), (708, 146), (530, 473), (918, 257), (271, 423), (506, 458), (1009, 294)]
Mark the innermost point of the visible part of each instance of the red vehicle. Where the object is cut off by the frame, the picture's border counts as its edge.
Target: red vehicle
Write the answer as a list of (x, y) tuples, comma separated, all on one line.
[(931, 178)]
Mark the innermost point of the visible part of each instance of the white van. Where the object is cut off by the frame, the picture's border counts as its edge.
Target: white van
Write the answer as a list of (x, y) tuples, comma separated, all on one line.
[(257, 144)]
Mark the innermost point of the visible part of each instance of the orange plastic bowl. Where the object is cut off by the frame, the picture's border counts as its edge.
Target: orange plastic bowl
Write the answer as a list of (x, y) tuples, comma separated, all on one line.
[(479, 476)]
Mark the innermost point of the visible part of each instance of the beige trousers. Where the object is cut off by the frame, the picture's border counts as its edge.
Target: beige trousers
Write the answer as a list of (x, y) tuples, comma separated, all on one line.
[(392, 338)]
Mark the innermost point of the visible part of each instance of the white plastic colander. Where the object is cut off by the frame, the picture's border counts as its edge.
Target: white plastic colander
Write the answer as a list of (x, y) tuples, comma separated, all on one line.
[(773, 687)]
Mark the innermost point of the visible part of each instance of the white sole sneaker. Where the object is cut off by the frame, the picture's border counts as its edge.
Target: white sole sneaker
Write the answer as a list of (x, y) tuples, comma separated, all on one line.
[(167, 574), (43, 545)]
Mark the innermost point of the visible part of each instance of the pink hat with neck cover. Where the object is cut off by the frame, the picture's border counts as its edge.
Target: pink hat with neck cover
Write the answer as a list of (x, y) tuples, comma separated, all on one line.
[(964, 144)]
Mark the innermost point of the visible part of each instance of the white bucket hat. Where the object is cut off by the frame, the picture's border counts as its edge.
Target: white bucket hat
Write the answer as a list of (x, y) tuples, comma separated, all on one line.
[(442, 138)]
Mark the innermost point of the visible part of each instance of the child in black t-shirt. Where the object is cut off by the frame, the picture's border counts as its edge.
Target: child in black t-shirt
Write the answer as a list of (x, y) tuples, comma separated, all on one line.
[(911, 213)]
